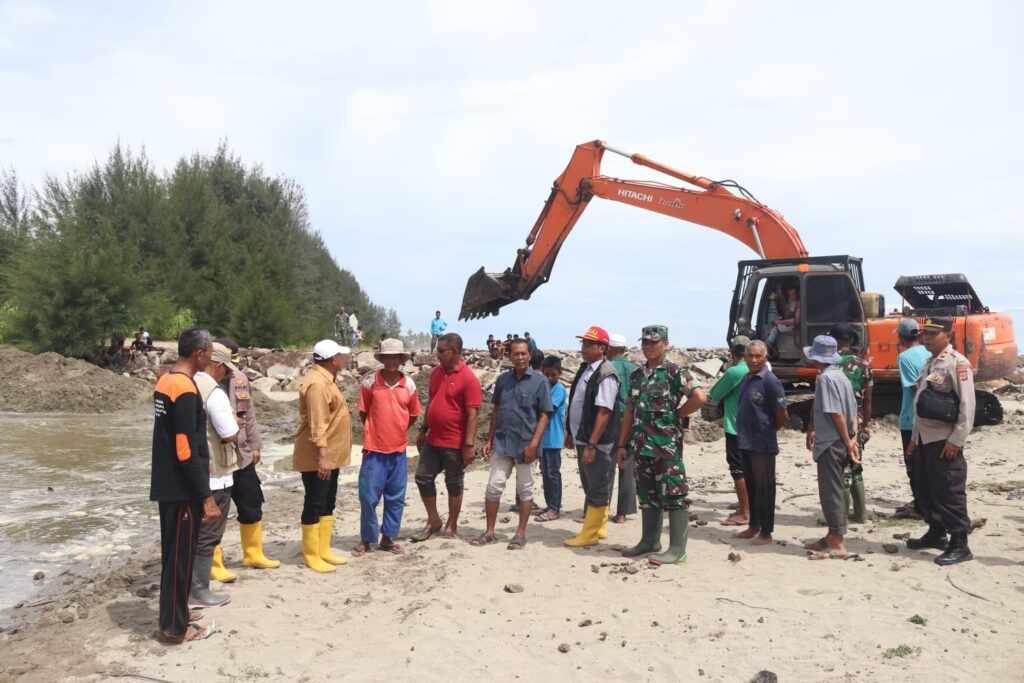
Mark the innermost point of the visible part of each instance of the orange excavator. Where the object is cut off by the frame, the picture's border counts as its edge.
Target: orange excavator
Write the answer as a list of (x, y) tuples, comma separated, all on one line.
[(830, 288)]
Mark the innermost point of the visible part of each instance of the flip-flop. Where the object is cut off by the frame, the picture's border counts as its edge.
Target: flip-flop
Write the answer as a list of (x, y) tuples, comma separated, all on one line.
[(546, 516), (361, 549), (424, 534), (483, 539), (449, 534), (195, 615), (732, 521), (827, 555), (517, 543), (393, 548), (198, 633)]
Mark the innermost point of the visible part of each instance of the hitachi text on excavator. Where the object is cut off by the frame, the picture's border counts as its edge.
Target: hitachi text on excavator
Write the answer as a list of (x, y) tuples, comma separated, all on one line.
[(831, 288)]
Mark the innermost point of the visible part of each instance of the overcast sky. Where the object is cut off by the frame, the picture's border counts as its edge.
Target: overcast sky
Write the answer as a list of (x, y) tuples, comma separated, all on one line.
[(427, 139)]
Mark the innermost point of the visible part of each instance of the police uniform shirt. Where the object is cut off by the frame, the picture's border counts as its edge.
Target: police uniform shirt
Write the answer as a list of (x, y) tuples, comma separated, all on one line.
[(947, 372)]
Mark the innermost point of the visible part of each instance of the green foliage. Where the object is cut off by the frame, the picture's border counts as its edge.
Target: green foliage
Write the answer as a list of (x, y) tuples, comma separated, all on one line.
[(900, 651), (918, 619), (214, 243)]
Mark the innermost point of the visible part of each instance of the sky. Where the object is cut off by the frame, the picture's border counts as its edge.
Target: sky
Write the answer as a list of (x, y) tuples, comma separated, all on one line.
[(427, 135)]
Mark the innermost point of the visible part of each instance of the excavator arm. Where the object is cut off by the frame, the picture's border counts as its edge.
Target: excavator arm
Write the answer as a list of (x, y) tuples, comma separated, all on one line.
[(712, 205)]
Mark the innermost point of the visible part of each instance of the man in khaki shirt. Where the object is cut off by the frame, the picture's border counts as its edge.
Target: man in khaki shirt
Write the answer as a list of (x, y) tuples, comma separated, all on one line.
[(937, 446), (323, 445)]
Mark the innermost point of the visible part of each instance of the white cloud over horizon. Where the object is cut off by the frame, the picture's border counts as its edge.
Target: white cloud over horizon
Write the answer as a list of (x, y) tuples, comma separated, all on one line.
[(427, 136)]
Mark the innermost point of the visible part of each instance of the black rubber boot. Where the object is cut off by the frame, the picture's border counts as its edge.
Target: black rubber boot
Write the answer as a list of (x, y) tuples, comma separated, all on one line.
[(935, 537), (957, 551), (650, 539)]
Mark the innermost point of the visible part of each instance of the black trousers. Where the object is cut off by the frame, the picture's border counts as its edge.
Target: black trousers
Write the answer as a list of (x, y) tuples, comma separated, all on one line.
[(941, 488), (248, 495), (179, 533), (321, 495), (905, 436), (759, 473)]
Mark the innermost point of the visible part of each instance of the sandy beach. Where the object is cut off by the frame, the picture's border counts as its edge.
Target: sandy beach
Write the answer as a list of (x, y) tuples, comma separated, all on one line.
[(442, 609)]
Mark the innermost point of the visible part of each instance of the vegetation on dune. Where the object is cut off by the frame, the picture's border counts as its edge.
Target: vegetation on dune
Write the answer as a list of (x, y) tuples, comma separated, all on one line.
[(213, 242)]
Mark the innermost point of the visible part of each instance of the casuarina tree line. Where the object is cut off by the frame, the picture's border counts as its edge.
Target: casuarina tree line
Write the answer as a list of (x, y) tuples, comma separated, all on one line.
[(214, 242)]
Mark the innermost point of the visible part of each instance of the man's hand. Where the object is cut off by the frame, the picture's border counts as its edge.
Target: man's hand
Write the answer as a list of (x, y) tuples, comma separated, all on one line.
[(468, 455), (530, 453), (211, 512), (256, 457), (810, 439), (866, 434), (421, 439), (568, 443), (911, 448), (854, 452), (240, 421), (488, 447), (621, 455), (323, 465), (589, 455), (949, 451)]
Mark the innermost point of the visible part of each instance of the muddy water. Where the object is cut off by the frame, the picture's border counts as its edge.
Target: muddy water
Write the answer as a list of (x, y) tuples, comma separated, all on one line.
[(75, 488)]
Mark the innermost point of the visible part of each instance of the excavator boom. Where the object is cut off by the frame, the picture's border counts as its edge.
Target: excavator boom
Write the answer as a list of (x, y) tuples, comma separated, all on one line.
[(712, 205)]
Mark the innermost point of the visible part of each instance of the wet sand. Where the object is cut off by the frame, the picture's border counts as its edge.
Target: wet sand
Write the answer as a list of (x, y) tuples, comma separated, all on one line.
[(440, 610)]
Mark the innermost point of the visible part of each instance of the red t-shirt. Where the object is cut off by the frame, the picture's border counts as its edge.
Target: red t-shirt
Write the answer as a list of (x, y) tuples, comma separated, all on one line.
[(388, 410), (451, 395)]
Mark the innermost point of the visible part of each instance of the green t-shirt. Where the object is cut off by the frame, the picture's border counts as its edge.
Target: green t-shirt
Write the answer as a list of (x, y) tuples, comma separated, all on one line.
[(727, 392)]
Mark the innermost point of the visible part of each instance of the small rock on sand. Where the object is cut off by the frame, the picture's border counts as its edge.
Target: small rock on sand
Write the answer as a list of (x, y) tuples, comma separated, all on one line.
[(564, 647), (890, 548), (735, 557), (513, 588)]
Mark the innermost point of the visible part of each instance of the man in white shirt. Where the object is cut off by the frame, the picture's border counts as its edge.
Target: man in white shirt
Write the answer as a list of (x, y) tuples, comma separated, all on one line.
[(221, 433)]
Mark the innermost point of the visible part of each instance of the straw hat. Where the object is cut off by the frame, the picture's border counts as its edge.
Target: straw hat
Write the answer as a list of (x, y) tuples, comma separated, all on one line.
[(392, 347)]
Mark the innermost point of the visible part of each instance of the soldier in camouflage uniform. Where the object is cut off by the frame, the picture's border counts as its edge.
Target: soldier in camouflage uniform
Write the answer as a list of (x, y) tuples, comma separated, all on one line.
[(661, 396), (342, 327), (858, 371)]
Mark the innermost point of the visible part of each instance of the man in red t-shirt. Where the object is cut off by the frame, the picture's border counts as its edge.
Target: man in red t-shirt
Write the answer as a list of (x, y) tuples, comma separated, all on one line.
[(446, 436), (388, 406)]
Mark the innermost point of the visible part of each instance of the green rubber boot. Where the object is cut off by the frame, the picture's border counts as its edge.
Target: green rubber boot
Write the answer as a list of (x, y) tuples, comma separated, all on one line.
[(860, 507), (848, 497), (678, 530), (650, 540)]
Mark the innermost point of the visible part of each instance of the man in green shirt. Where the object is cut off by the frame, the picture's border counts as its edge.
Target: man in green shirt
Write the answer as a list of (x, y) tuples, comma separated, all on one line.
[(727, 392), (626, 502), (661, 396)]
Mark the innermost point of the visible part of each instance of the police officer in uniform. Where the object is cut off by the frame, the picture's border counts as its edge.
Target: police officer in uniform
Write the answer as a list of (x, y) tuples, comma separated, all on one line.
[(943, 417), (246, 491)]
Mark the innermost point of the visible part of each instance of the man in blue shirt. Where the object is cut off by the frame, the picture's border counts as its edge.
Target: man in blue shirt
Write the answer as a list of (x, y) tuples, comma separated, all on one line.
[(522, 408), (551, 453), (760, 413), (910, 362), (437, 328)]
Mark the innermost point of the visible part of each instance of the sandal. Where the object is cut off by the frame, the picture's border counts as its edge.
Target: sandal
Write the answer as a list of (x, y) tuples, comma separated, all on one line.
[(517, 543), (483, 539), (195, 615), (424, 534), (827, 555), (361, 549), (546, 516), (820, 544), (192, 633), (391, 548)]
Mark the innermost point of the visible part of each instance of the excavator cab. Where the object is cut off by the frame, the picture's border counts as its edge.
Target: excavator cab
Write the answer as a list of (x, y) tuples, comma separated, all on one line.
[(827, 290)]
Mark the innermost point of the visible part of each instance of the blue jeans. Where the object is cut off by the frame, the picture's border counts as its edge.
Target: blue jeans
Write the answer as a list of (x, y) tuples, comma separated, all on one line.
[(551, 473), (381, 474)]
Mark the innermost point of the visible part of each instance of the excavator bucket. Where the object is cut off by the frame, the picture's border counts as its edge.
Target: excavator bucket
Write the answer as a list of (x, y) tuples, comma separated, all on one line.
[(486, 293)]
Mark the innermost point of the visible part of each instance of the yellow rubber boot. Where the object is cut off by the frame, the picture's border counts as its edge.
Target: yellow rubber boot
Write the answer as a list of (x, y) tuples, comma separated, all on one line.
[(252, 545), (218, 572), (591, 526), (602, 533), (326, 527), (311, 548)]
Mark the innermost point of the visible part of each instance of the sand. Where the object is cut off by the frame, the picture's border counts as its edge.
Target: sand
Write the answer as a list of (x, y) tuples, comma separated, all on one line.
[(440, 610)]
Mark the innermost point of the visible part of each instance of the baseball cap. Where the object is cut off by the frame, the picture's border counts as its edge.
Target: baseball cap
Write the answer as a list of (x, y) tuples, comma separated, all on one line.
[(328, 348), (739, 342), (617, 341), (908, 327), (221, 354), (654, 333), (595, 333), (938, 325)]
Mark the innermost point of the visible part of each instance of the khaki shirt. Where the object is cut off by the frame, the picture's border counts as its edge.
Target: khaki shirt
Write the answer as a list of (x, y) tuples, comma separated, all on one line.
[(323, 422), (947, 372)]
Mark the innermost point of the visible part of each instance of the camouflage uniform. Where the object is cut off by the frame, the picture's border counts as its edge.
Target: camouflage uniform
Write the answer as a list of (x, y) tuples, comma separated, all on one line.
[(656, 439), (858, 371), (343, 329)]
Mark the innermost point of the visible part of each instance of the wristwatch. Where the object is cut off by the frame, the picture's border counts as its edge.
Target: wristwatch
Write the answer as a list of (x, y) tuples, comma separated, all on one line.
[(591, 445)]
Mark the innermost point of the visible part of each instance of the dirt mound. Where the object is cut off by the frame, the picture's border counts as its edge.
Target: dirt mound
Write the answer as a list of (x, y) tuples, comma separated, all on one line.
[(51, 383)]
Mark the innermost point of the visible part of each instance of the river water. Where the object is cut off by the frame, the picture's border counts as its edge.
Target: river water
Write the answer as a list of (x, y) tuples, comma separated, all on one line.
[(75, 488)]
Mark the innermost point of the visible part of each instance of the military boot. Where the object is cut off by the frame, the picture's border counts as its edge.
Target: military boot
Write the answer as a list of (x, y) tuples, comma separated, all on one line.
[(956, 552)]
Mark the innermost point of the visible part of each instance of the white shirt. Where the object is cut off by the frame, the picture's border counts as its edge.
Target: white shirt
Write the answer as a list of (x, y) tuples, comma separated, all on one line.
[(218, 409), (607, 396), (353, 322)]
